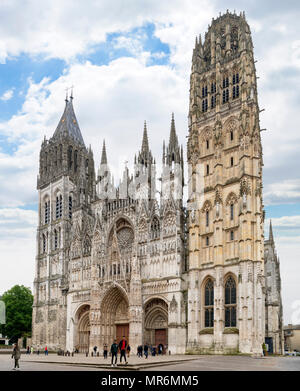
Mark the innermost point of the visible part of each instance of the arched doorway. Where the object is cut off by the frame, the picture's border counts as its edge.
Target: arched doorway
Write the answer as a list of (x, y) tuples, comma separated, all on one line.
[(114, 316), (156, 322), (82, 342)]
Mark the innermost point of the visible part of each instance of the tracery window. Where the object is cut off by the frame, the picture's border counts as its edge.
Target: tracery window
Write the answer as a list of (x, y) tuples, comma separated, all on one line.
[(225, 90), (236, 87), (155, 228), (47, 212), (204, 105), (70, 161), (213, 95), (231, 211), (58, 206), (44, 243), (55, 239), (207, 218), (209, 304), (70, 206), (230, 302), (75, 160)]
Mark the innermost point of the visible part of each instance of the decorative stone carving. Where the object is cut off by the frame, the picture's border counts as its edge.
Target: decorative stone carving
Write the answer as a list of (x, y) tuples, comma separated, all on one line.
[(173, 305)]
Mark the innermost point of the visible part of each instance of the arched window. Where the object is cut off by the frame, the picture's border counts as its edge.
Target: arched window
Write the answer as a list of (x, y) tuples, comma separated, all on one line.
[(55, 240), (225, 90), (209, 304), (70, 161), (75, 161), (231, 235), (231, 135), (230, 302), (44, 243), (213, 95), (155, 228), (47, 212), (58, 207), (207, 218), (70, 206), (231, 211), (236, 87)]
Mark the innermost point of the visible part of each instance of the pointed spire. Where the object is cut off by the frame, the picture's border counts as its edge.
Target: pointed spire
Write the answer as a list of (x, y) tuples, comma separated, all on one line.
[(103, 155), (173, 137), (68, 124), (271, 238), (145, 143)]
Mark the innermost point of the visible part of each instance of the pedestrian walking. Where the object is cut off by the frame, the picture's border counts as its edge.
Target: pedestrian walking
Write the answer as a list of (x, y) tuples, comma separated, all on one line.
[(46, 351), (31, 349), (95, 350), (140, 351), (105, 351), (28, 350), (128, 350), (146, 347), (114, 353), (16, 354), (122, 347)]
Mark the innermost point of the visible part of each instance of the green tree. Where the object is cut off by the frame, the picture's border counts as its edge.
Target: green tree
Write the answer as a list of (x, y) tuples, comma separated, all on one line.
[(18, 304)]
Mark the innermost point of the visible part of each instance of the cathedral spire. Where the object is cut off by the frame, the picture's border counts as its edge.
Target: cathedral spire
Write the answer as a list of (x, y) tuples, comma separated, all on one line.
[(173, 140), (68, 125), (103, 156), (145, 143)]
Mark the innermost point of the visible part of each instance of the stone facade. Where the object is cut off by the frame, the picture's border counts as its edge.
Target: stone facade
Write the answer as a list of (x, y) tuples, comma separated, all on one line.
[(114, 261)]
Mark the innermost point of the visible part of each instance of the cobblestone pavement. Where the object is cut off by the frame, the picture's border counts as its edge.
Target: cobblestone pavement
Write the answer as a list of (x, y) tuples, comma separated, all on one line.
[(198, 363)]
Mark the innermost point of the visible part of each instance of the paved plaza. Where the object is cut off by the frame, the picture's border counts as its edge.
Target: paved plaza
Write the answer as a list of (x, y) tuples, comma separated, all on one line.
[(54, 362)]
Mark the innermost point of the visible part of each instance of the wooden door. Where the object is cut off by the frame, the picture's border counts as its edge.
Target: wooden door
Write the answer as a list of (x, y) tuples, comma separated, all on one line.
[(122, 330), (160, 337)]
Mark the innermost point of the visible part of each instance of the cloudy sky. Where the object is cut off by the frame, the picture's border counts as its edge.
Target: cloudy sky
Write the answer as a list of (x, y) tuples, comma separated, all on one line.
[(129, 61)]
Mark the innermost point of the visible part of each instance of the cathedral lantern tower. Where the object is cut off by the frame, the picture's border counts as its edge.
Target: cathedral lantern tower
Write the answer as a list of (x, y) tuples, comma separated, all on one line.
[(226, 294), (66, 184)]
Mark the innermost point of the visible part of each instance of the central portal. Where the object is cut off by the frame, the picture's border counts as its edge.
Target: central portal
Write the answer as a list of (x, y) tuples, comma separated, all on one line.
[(122, 330), (114, 316)]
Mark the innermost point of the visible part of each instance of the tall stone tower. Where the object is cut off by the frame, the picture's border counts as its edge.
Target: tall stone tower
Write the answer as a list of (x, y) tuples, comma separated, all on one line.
[(66, 183), (226, 244)]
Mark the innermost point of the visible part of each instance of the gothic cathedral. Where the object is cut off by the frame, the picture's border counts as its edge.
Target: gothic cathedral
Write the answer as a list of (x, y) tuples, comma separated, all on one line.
[(116, 260)]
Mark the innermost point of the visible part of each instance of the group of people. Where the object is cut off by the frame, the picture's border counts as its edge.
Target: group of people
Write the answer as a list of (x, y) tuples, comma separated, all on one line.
[(30, 350), (152, 349), (122, 347)]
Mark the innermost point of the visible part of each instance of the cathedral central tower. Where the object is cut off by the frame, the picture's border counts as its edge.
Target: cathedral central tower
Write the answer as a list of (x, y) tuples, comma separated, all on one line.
[(225, 200)]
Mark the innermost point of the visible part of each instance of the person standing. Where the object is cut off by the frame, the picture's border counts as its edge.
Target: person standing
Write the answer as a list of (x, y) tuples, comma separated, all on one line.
[(28, 350), (128, 350), (122, 347), (31, 349), (16, 354), (114, 353), (146, 350), (105, 351), (46, 351)]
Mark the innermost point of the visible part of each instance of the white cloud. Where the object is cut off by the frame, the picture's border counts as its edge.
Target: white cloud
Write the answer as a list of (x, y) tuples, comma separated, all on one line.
[(7, 95)]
